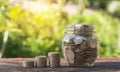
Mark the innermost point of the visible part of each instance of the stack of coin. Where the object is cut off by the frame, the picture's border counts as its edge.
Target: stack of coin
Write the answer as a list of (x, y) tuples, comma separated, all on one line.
[(28, 63), (54, 59), (41, 61)]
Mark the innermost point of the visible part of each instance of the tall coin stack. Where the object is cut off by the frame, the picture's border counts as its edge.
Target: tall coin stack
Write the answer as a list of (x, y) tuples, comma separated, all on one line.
[(54, 59)]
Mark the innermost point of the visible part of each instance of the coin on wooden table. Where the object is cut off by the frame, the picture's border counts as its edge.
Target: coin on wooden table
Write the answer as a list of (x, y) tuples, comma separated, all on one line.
[(41, 61), (28, 63), (54, 59)]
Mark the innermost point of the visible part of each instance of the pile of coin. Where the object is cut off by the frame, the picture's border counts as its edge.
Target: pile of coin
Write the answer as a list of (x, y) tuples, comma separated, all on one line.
[(28, 63), (80, 45), (54, 59), (41, 61)]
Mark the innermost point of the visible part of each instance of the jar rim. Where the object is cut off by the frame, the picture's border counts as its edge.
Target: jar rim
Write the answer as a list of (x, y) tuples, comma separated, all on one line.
[(80, 29)]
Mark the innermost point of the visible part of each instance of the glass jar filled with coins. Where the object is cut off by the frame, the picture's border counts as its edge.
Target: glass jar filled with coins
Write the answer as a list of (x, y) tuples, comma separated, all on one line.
[(80, 45)]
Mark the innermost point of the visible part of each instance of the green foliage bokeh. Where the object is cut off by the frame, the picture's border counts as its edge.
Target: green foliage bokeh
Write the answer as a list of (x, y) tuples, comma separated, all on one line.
[(32, 34)]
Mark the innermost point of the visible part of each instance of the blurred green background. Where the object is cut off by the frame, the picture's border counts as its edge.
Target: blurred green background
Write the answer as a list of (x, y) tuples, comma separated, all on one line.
[(29, 28)]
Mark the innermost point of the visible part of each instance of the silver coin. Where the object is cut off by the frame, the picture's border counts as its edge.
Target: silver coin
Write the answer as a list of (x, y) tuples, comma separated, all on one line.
[(78, 39)]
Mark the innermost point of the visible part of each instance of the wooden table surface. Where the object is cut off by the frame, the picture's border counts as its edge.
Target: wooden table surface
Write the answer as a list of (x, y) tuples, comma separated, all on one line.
[(101, 65)]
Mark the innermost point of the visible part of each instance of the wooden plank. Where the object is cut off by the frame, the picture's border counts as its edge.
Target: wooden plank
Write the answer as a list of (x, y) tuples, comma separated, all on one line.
[(102, 65)]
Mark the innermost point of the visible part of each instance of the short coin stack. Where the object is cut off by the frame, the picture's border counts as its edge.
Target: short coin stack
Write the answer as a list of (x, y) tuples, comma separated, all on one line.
[(28, 63), (41, 61)]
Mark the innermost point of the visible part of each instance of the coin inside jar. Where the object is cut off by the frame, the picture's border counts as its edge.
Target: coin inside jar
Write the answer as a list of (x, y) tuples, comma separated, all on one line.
[(80, 45)]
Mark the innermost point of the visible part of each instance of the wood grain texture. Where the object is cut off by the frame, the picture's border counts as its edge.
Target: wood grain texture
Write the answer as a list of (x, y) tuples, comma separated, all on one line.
[(101, 65)]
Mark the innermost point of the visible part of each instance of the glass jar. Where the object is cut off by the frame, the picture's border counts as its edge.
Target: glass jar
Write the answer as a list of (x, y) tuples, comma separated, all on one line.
[(80, 45)]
